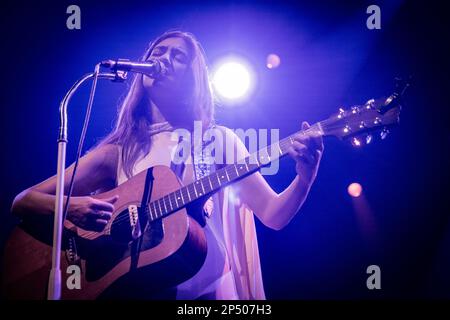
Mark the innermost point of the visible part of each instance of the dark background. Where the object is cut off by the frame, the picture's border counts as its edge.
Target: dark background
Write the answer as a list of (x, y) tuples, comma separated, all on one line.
[(328, 59)]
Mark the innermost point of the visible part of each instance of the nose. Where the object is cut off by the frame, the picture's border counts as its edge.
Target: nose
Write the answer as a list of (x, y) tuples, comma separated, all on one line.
[(165, 59)]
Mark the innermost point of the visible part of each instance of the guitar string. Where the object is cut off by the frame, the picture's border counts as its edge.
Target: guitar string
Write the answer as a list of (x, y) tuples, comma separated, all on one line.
[(229, 170)]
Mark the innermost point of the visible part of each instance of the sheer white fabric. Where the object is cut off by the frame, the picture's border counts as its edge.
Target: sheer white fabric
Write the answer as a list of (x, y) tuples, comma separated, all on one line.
[(232, 267)]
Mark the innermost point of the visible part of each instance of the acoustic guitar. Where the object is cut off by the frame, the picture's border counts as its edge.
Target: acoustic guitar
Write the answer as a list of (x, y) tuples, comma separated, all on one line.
[(154, 239)]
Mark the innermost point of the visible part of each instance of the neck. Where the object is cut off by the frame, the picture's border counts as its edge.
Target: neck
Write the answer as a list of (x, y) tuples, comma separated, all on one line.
[(166, 110), (157, 116)]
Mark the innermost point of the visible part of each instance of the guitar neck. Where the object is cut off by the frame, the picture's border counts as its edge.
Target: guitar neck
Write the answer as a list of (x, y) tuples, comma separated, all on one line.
[(228, 174), (363, 119)]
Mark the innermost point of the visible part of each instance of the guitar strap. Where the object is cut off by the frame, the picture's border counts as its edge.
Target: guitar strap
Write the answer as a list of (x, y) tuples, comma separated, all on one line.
[(203, 164), (135, 245)]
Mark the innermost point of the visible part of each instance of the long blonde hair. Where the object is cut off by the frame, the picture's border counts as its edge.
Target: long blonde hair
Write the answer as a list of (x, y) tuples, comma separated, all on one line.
[(132, 127)]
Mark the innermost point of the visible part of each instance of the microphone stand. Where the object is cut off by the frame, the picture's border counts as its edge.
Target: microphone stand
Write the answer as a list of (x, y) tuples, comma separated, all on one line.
[(54, 284)]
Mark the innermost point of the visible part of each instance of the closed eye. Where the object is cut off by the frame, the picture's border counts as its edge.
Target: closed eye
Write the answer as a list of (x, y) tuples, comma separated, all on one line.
[(180, 55)]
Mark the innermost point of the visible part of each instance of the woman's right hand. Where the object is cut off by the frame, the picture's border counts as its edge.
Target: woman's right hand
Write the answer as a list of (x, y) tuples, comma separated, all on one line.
[(89, 213)]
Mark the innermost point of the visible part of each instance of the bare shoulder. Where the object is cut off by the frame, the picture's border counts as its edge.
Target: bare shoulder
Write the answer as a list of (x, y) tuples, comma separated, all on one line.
[(233, 143), (226, 132), (105, 157)]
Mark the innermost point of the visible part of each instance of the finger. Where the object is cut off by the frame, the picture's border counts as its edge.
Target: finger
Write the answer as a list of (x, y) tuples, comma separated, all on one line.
[(294, 154), (305, 125), (318, 155), (99, 225), (299, 147), (105, 215), (316, 140), (313, 142), (101, 222), (105, 204), (302, 151), (307, 158)]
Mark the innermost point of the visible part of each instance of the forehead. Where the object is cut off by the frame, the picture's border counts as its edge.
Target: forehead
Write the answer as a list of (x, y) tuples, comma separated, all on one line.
[(173, 42)]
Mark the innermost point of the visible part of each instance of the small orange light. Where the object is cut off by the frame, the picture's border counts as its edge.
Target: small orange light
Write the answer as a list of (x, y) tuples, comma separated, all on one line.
[(354, 189)]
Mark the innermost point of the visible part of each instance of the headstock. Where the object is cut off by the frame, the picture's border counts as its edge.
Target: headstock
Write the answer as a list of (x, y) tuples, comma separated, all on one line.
[(359, 122)]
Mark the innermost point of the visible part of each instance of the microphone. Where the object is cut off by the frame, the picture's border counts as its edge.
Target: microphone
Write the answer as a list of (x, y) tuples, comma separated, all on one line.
[(152, 68)]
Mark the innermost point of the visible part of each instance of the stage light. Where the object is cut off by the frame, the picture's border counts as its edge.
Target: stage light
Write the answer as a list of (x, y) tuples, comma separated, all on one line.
[(272, 61), (354, 190), (232, 80)]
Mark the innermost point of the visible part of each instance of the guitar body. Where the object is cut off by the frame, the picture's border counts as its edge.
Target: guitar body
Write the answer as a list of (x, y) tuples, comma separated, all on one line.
[(154, 240), (114, 263)]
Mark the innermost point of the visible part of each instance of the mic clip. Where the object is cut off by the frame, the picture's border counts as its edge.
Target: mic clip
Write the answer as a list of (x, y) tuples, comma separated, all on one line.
[(119, 75)]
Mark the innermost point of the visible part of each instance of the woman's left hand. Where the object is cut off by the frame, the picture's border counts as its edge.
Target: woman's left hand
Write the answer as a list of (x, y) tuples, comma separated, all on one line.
[(307, 151)]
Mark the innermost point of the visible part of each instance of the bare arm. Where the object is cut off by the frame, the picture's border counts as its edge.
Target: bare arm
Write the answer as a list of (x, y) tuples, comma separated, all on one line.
[(273, 209), (96, 170)]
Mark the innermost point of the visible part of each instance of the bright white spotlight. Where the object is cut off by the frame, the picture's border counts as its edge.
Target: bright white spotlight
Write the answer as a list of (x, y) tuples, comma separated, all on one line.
[(232, 80)]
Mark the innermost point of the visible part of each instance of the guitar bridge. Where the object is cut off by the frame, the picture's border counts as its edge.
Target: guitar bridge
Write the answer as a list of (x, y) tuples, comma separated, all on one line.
[(134, 221)]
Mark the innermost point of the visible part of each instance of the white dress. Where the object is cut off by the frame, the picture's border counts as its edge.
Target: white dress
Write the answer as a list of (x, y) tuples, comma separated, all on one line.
[(231, 269)]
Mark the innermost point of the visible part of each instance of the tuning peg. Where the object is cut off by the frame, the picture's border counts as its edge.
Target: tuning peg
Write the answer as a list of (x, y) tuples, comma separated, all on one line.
[(355, 110), (356, 142), (347, 129), (341, 113), (370, 104), (368, 139), (384, 133), (377, 121)]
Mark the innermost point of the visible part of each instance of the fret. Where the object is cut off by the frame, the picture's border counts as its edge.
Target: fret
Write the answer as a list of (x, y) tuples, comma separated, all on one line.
[(201, 185), (279, 149), (166, 199), (222, 177), (154, 215), (262, 157), (157, 203), (258, 163), (151, 211), (164, 203), (171, 203), (231, 172), (290, 139), (161, 206), (241, 167), (209, 179), (218, 180), (189, 192), (235, 168), (184, 195), (195, 190), (226, 173), (176, 198), (170, 200), (182, 198)]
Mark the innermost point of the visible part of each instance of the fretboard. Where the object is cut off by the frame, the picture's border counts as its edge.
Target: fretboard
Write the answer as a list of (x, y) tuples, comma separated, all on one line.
[(228, 174)]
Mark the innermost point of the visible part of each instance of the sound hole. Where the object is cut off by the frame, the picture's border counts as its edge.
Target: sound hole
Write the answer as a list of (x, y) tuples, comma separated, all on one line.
[(123, 246), (121, 228)]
